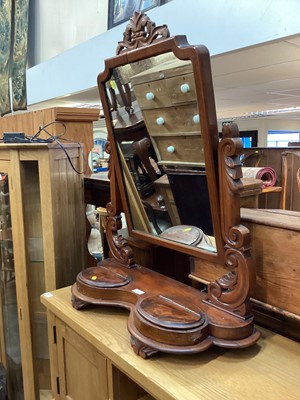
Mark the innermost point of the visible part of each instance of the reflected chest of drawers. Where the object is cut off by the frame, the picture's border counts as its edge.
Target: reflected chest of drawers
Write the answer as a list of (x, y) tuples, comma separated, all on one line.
[(167, 98)]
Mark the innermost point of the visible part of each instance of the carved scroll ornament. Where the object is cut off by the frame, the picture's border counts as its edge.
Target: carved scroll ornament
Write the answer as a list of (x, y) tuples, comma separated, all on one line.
[(140, 32), (118, 246)]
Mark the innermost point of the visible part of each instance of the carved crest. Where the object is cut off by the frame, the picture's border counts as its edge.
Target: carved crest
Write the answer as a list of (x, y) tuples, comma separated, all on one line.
[(141, 31)]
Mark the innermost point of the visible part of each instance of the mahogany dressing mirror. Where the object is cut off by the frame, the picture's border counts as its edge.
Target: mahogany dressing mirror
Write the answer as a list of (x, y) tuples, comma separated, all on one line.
[(179, 187)]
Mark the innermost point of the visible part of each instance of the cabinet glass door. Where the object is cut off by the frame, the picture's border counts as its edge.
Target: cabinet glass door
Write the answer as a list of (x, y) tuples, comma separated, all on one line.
[(34, 244), (10, 339)]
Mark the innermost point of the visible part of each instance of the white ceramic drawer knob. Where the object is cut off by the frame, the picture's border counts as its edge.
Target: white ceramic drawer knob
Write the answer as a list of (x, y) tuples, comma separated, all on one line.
[(170, 149), (160, 121), (185, 87), (150, 96), (196, 119)]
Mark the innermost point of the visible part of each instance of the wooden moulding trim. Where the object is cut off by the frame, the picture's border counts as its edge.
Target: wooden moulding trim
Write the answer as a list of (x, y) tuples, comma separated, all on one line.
[(76, 114), (276, 218), (277, 310)]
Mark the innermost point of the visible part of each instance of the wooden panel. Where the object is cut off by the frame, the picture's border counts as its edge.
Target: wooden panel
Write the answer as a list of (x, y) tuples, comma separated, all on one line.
[(126, 389), (205, 272), (82, 370), (68, 217), (275, 253), (52, 342), (5, 156)]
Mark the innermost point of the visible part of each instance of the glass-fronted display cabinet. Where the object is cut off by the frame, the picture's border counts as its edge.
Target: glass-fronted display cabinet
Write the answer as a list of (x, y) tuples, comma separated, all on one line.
[(11, 352), (42, 247)]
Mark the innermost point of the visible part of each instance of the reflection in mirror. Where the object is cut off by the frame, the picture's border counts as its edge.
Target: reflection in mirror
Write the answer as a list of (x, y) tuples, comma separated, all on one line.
[(157, 129)]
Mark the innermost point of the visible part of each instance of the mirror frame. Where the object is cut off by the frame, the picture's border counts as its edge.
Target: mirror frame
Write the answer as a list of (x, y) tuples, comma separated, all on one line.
[(199, 56)]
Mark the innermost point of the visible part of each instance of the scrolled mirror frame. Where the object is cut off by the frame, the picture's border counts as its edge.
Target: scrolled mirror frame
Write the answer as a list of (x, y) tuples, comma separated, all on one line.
[(232, 291)]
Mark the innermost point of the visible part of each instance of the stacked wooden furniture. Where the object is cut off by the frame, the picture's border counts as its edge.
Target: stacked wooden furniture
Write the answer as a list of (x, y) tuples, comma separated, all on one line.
[(42, 212)]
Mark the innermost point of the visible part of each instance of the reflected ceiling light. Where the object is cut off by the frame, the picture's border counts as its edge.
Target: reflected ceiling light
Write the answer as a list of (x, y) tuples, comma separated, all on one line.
[(265, 113), (273, 112)]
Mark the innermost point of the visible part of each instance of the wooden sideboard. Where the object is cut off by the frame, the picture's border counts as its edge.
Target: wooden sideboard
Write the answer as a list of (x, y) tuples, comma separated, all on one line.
[(91, 358)]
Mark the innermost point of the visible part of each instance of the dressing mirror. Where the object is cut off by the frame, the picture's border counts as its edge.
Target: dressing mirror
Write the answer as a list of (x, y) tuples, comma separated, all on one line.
[(163, 167), (179, 187)]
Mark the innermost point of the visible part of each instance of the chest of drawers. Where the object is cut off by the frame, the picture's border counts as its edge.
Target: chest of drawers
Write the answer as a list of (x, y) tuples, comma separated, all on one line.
[(167, 98)]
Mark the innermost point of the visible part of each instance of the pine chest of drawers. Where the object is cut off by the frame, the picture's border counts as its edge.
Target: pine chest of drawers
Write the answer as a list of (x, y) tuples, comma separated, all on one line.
[(167, 98)]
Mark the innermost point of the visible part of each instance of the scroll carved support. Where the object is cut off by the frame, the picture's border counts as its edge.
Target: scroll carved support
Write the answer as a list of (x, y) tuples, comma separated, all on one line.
[(118, 246), (232, 292)]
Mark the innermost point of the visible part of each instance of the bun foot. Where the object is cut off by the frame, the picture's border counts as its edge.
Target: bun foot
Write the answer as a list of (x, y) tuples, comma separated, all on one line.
[(142, 349)]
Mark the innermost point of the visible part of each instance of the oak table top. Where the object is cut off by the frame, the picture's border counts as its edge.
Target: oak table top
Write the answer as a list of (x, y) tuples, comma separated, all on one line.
[(268, 370)]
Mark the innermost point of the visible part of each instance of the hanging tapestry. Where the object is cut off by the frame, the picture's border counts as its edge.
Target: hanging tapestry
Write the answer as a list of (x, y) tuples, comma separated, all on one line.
[(19, 56), (13, 53), (5, 43)]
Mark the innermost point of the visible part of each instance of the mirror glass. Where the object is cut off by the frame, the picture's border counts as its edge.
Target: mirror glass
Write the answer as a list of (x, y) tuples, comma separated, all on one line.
[(157, 130)]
